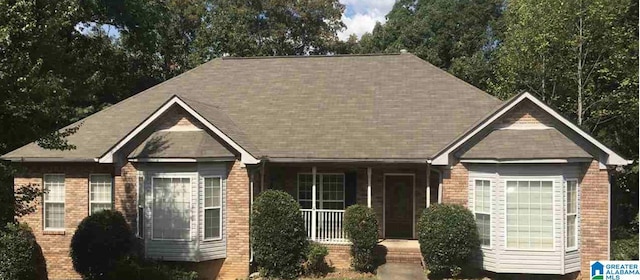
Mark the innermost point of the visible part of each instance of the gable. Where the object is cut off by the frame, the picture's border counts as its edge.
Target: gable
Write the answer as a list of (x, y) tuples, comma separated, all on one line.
[(525, 115)]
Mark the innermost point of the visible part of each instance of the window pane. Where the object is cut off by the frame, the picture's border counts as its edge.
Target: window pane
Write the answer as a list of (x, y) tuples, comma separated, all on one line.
[(571, 231), (54, 215), (212, 223), (482, 196), (483, 222), (212, 192), (530, 214), (101, 192), (171, 213), (54, 184), (572, 193), (97, 207)]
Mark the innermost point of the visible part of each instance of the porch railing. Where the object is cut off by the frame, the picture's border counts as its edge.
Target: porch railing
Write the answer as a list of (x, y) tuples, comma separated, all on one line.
[(328, 225)]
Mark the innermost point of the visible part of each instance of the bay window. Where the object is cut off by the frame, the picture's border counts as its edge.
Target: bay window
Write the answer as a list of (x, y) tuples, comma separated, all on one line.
[(100, 193), (529, 209), (482, 210), (212, 208), (572, 214), (54, 201), (329, 191), (171, 217)]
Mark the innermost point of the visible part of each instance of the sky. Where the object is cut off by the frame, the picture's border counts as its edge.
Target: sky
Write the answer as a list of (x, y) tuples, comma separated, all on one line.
[(360, 16)]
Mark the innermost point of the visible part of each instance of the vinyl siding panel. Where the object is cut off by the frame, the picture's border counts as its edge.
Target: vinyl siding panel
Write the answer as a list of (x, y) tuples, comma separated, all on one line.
[(195, 249), (212, 249), (498, 257)]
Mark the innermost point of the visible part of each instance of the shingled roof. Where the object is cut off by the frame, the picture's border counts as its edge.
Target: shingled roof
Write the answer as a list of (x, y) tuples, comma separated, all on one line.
[(313, 107), (503, 144)]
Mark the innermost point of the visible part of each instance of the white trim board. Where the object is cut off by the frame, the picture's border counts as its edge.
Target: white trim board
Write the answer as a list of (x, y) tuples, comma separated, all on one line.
[(442, 158), (245, 156)]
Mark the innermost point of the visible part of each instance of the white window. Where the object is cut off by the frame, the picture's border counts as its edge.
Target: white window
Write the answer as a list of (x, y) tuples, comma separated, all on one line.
[(140, 209), (529, 214), (572, 214), (212, 208), (482, 209), (100, 193), (329, 191), (54, 202), (171, 208)]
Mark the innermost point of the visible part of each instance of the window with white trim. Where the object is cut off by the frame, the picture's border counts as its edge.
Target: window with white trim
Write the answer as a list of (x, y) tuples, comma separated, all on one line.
[(329, 190), (212, 208), (54, 202), (171, 208), (529, 214), (482, 210), (572, 214), (140, 208), (100, 193)]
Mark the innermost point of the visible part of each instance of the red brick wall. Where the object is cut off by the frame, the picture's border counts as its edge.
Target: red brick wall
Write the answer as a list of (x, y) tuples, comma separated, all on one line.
[(455, 185), (55, 245), (594, 216), (236, 265), (525, 113)]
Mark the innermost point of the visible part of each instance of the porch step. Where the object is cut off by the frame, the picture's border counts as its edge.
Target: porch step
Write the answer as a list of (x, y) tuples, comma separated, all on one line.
[(388, 252)]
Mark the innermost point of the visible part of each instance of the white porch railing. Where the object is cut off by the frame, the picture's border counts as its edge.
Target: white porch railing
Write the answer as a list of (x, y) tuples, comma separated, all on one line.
[(328, 226)]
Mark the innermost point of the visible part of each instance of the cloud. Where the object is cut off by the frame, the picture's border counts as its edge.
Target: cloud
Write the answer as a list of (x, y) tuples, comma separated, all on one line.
[(360, 16)]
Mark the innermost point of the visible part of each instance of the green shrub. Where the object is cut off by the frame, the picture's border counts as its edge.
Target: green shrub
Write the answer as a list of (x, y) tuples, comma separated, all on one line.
[(625, 249), (278, 235), (361, 226), (316, 265), (20, 255), (100, 242), (448, 238), (131, 269)]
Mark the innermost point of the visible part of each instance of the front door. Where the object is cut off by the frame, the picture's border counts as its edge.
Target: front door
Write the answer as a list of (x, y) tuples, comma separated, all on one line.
[(398, 203)]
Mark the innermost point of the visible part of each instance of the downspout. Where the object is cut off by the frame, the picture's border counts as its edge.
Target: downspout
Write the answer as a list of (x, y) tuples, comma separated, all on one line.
[(251, 180)]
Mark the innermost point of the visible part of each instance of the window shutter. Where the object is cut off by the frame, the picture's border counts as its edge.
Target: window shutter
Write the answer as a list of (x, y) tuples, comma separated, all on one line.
[(350, 188)]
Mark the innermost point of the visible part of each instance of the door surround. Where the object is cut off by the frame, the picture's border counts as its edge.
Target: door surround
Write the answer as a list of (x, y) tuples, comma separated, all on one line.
[(384, 202)]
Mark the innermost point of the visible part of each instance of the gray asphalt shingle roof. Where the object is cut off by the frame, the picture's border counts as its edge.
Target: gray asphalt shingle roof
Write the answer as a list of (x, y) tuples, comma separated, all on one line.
[(525, 144), (353, 107), (180, 144)]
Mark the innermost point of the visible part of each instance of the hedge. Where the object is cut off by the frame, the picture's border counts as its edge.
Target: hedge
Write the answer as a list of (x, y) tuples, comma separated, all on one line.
[(361, 226), (278, 235)]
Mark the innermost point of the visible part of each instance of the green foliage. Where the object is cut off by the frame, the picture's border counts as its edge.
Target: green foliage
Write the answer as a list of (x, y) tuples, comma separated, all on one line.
[(20, 255), (458, 36), (361, 226), (316, 265), (625, 249), (278, 235), (131, 269), (101, 241), (448, 238)]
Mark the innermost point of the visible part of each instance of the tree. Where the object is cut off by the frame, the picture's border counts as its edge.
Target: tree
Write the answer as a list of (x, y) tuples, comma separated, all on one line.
[(580, 57), (271, 27), (458, 36)]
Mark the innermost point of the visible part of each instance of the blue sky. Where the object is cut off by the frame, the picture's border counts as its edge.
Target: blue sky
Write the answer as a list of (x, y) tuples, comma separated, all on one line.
[(360, 16)]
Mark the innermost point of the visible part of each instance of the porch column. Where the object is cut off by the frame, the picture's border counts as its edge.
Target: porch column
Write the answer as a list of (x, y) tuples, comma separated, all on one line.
[(314, 216), (428, 185), (369, 187)]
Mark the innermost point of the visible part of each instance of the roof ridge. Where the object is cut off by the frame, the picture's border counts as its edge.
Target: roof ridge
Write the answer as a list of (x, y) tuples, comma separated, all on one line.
[(308, 56)]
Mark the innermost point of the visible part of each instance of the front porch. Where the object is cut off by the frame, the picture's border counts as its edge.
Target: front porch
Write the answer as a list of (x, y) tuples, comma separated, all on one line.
[(397, 192)]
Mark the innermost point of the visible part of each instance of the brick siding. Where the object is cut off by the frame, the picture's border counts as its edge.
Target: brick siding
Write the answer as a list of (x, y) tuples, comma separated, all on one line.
[(236, 265), (455, 185), (525, 113), (594, 217)]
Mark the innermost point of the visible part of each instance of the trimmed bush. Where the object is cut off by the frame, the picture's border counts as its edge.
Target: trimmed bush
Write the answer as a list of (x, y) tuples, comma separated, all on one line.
[(100, 242), (278, 235), (20, 255), (448, 238), (361, 226), (316, 265)]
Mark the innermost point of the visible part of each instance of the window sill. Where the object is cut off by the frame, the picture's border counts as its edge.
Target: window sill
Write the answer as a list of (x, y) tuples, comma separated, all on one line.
[(53, 232)]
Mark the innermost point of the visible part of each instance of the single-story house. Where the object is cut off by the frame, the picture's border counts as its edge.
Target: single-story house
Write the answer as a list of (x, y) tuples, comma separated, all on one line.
[(184, 160)]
